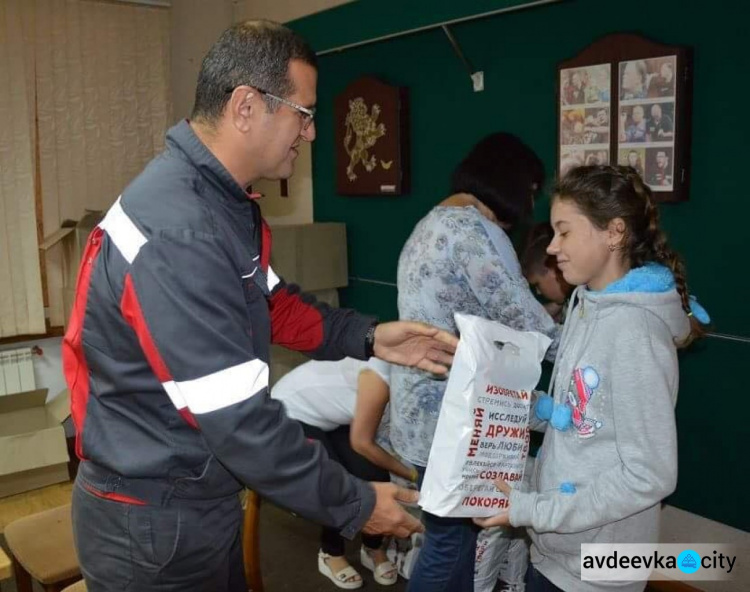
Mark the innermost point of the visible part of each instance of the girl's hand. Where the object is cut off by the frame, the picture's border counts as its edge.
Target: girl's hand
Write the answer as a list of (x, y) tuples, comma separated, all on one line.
[(502, 518)]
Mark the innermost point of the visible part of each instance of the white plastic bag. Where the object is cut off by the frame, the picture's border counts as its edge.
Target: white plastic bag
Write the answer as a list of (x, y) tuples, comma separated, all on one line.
[(482, 432)]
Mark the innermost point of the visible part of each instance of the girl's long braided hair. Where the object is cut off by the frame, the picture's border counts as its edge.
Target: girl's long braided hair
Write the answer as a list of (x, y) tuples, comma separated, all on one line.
[(604, 193)]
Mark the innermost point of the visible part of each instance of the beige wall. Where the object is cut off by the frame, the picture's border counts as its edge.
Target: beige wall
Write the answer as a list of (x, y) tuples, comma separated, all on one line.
[(194, 26), (281, 10), (298, 207)]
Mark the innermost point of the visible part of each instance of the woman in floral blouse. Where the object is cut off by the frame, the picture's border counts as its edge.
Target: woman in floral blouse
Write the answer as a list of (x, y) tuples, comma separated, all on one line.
[(460, 259)]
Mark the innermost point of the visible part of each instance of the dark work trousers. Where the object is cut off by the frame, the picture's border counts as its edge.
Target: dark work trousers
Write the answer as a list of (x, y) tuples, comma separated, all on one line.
[(339, 448), (185, 546)]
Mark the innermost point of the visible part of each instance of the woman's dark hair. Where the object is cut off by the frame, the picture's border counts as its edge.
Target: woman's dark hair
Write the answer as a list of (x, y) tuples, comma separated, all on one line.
[(604, 193), (504, 174), (256, 53)]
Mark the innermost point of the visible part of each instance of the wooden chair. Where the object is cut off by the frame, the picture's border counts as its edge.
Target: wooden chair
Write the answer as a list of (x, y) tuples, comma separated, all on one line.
[(41, 548), (251, 542), (5, 571), (77, 587)]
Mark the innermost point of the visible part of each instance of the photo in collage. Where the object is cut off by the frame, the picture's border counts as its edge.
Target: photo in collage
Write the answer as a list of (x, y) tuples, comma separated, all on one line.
[(585, 116), (646, 128), (654, 165)]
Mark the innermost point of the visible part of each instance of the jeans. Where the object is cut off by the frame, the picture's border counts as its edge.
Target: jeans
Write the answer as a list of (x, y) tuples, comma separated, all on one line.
[(446, 562)]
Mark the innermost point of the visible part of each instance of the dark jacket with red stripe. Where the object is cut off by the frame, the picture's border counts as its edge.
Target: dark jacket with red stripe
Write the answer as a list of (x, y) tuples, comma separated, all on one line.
[(166, 353)]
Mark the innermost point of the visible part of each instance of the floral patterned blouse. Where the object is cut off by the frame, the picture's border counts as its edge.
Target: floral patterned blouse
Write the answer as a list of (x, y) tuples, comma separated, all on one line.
[(455, 260)]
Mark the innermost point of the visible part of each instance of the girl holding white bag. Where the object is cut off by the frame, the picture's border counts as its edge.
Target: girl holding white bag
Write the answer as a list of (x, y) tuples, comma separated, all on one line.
[(610, 449)]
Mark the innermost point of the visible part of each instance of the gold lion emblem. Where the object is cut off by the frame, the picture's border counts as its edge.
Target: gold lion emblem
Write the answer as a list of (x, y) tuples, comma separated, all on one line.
[(365, 130)]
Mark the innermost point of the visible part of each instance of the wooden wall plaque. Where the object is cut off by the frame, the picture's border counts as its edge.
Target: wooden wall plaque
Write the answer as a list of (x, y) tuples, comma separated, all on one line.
[(372, 139)]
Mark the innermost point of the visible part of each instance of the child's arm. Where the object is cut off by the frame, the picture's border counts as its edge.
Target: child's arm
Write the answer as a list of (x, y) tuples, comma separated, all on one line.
[(372, 397), (643, 386)]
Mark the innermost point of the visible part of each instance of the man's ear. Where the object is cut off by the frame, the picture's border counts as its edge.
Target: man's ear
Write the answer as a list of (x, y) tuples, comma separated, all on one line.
[(243, 107)]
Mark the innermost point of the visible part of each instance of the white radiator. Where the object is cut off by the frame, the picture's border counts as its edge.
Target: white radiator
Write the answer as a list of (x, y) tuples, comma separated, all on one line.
[(16, 371)]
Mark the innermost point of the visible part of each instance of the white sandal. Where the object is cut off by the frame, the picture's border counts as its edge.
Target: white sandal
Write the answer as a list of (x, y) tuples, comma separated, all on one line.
[(385, 574), (340, 578)]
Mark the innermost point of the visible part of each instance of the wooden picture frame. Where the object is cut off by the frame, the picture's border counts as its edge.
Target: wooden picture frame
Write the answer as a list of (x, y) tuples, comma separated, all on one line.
[(372, 139), (628, 100)]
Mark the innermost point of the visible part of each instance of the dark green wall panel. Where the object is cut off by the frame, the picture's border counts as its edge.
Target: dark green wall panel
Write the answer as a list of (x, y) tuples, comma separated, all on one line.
[(371, 19)]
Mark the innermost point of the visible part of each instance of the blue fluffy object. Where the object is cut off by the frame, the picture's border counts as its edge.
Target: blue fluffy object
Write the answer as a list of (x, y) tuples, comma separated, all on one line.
[(544, 406), (698, 311), (651, 277), (562, 417), (567, 488)]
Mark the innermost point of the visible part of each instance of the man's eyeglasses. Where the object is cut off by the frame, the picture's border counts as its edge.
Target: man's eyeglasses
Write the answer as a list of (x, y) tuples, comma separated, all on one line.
[(307, 114)]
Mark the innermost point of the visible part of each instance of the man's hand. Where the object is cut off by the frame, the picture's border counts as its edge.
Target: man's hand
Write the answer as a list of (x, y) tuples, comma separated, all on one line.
[(389, 517), (501, 518), (409, 343)]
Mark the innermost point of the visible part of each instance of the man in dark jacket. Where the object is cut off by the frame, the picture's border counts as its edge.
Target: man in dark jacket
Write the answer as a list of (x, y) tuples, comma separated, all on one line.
[(167, 350)]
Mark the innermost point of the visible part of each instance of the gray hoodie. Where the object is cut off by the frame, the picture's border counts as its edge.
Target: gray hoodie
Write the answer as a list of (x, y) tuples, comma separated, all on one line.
[(601, 479)]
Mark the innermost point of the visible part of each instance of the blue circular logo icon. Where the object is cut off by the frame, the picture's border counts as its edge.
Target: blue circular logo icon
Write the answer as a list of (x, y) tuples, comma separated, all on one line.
[(688, 561)]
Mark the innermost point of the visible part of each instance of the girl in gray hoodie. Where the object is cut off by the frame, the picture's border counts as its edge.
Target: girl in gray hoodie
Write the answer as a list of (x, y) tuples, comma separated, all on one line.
[(610, 447)]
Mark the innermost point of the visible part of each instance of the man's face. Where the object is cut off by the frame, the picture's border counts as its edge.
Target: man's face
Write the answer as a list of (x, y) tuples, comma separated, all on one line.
[(661, 160), (656, 113), (633, 159), (601, 117), (637, 114), (577, 80), (666, 71), (283, 129)]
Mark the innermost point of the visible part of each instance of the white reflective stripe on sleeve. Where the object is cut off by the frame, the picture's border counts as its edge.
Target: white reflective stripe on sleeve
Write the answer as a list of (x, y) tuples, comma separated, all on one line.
[(174, 394), (124, 234), (273, 279), (224, 388)]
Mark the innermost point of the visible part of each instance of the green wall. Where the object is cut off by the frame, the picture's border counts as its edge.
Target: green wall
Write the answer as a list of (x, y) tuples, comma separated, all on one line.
[(362, 20), (518, 53)]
